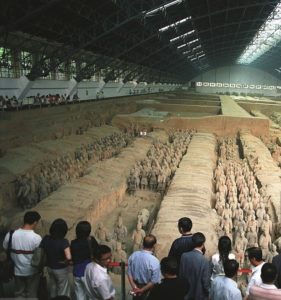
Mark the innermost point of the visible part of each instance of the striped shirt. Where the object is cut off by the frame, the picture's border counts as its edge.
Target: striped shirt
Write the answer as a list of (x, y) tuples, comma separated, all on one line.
[(181, 245)]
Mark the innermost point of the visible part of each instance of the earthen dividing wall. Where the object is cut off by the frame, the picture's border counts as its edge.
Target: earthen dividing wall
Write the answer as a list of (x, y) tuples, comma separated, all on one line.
[(190, 196), (93, 196)]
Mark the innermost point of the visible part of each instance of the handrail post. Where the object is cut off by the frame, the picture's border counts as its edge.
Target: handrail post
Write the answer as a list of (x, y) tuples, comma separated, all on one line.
[(123, 283)]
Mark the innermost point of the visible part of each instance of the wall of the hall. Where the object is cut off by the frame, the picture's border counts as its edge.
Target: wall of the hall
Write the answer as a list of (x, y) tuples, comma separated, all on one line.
[(239, 79), (86, 90)]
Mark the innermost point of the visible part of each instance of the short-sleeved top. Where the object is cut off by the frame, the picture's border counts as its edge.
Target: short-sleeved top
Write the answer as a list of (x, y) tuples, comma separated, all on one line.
[(255, 278), (144, 267), (217, 265), (81, 254), (224, 288), (169, 288), (26, 241), (98, 283), (54, 249)]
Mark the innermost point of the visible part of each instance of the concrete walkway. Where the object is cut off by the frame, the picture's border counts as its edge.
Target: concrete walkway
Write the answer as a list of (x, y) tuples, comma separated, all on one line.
[(230, 108)]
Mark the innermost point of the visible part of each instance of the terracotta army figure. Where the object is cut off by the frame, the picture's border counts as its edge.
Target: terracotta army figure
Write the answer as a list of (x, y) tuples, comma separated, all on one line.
[(23, 190), (252, 237), (277, 242), (143, 217), (227, 212), (118, 255), (241, 240), (264, 242), (132, 183), (120, 230), (271, 253), (138, 236), (101, 233), (226, 225), (267, 224), (220, 205)]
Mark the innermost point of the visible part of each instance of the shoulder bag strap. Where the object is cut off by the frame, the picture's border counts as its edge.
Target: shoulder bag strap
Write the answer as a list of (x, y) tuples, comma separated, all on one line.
[(90, 246), (10, 244)]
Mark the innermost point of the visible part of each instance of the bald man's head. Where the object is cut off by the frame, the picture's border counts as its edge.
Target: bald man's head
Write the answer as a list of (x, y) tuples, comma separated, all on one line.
[(149, 241)]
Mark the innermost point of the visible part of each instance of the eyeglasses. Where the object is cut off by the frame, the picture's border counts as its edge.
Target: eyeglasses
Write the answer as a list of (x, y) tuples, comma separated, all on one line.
[(108, 257)]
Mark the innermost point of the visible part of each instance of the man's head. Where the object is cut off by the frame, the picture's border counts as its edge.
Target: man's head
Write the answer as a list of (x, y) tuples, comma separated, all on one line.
[(198, 240), (102, 255), (31, 218), (255, 256), (268, 273), (231, 267), (184, 225), (168, 266), (149, 242)]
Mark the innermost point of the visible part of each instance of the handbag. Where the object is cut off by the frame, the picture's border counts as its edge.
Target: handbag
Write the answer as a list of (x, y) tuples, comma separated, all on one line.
[(42, 293), (7, 266), (39, 258)]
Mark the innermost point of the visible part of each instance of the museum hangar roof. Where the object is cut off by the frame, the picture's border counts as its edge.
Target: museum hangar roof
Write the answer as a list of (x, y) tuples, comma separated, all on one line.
[(151, 40)]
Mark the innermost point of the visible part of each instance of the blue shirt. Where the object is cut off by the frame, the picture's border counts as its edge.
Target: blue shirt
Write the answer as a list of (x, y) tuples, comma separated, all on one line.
[(224, 288), (144, 267)]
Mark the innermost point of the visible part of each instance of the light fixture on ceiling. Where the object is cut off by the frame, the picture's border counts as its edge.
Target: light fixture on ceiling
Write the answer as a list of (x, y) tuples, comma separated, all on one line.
[(162, 7), (181, 36), (193, 41), (268, 36), (174, 24), (181, 46), (202, 55)]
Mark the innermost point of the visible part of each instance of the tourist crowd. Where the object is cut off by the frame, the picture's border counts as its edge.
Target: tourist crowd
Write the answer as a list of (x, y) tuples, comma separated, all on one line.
[(12, 103), (186, 272)]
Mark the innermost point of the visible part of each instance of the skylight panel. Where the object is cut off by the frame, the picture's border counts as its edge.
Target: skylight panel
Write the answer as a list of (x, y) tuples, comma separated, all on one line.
[(268, 36)]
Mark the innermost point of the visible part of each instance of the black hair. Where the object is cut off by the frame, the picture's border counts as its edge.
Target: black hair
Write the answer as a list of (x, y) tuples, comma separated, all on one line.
[(58, 229), (149, 241), (198, 239), (99, 251), (169, 265), (224, 247), (30, 217), (83, 229), (61, 297), (255, 252), (185, 224), (231, 267), (268, 273)]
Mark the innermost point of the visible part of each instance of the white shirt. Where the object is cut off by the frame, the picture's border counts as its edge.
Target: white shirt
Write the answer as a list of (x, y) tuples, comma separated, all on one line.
[(98, 283), (255, 278), (224, 288), (217, 264), (26, 240)]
